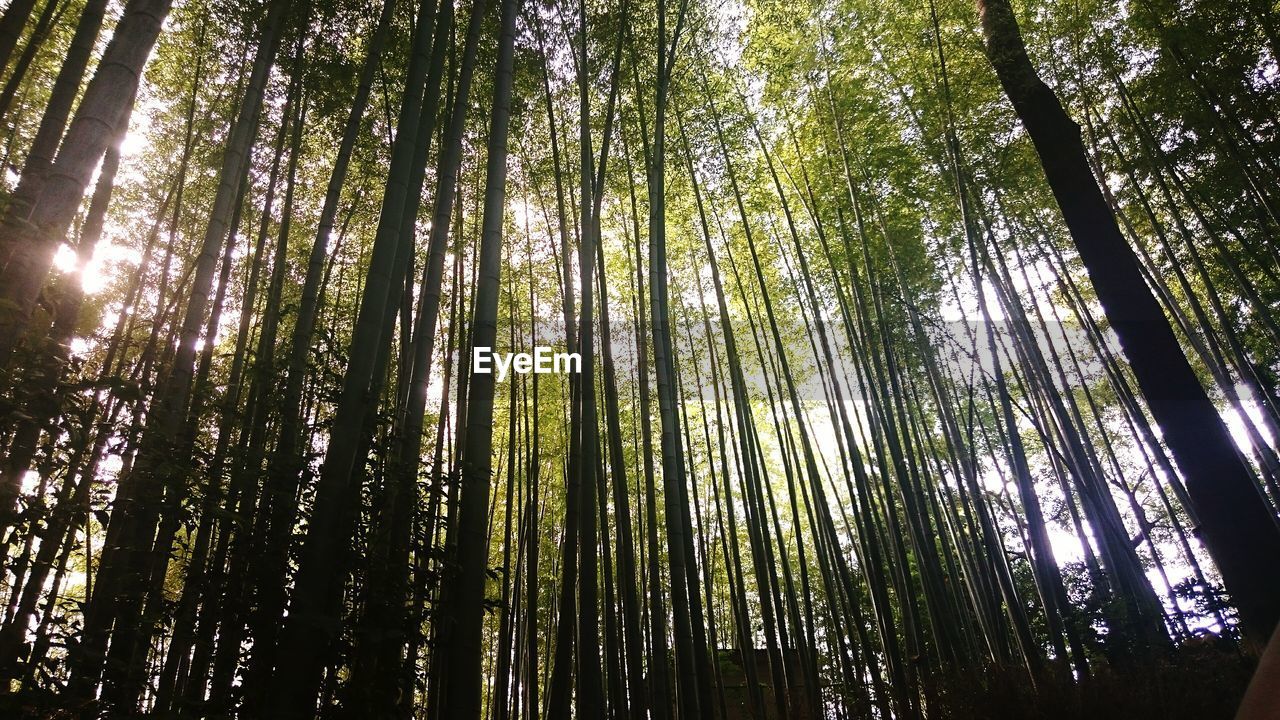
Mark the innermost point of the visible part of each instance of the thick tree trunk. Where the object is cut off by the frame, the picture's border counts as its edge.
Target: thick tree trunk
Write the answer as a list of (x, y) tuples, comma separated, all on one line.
[(42, 208), (137, 506), (462, 690), (688, 680), (1238, 528), (47, 396), (380, 637), (65, 88), (11, 25), (49, 18), (313, 620), (277, 508), (659, 683)]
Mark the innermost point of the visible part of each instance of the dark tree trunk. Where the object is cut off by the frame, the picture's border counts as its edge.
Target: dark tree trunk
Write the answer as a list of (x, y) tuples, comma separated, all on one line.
[(11, 25), (462, 691), (42, 208), (1238, 528)]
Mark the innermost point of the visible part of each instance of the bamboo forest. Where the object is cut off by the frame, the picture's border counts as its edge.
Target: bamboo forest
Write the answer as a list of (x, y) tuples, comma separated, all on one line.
[(640, 359)]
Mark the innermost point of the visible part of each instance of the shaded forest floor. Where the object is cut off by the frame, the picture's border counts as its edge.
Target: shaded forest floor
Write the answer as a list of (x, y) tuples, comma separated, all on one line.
[(1196, 682)]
